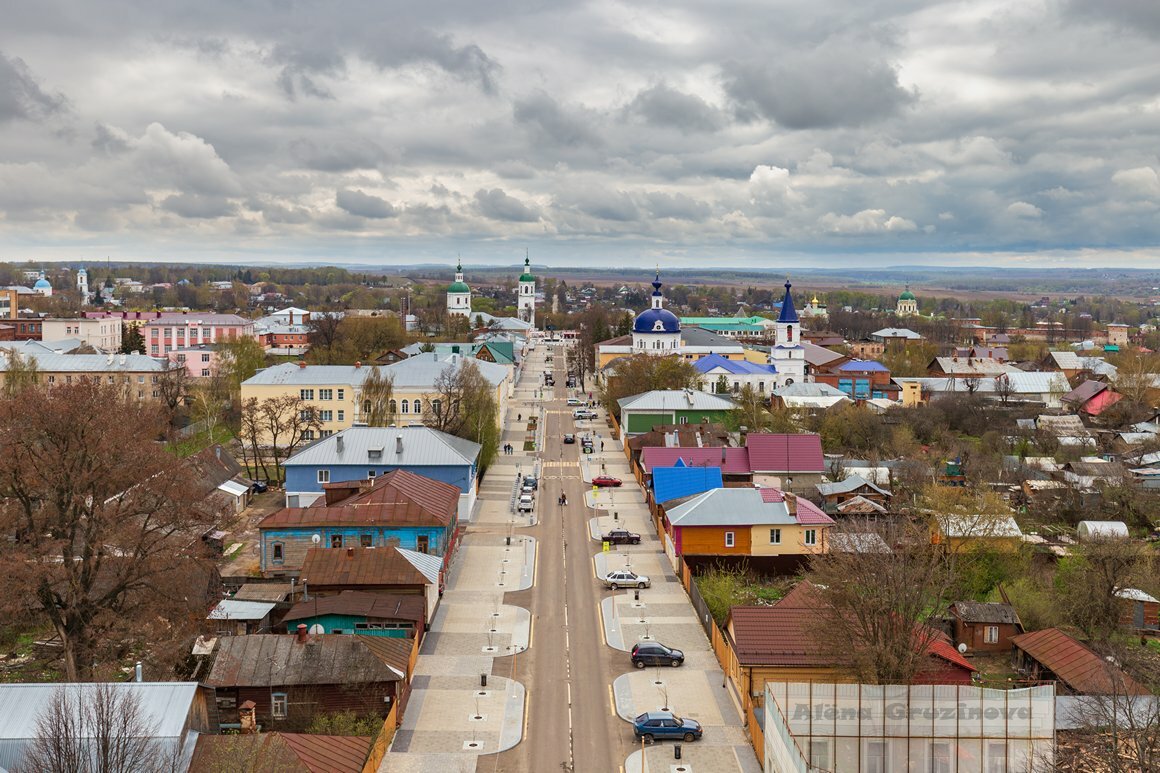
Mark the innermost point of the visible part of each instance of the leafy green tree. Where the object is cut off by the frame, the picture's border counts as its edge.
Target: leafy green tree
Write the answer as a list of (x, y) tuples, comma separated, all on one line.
[(131, 339)]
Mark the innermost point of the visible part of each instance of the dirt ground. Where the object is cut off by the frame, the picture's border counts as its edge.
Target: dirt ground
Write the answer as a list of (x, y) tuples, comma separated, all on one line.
[(246, 560)]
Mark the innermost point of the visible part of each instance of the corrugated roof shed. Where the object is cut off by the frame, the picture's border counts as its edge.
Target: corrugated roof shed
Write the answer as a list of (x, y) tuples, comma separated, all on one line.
[(240, 609), (845, 486), (788, 453), (399, 498), (1075, 665), (280, 752), (360, 604), (675, 482), (273, 660), (360, 566), (992, 612)]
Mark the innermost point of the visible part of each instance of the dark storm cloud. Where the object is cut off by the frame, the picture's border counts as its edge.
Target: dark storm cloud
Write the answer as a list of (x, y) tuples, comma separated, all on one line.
[(20, 94), (835, 84), (498, 205), (364, 204), (664, 106), (549, 123)]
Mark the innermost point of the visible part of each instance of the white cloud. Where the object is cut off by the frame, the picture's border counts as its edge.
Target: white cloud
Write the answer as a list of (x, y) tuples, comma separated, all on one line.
[(1024, 210), (1141, 181), (868, 221)]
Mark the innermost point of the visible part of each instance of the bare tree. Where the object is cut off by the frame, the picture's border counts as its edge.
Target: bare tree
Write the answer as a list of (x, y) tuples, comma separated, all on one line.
[(96, 728), (1090, 580), (285, 422), (377, 393), (875, 609), (173, 385), (106, 523), (463, 404)]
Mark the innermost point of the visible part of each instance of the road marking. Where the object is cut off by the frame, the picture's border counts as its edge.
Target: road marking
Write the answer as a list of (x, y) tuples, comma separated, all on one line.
[(600, 619), (612, 702)]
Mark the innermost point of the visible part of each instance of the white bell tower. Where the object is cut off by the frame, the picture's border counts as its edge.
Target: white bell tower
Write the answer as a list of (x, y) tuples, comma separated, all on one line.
[(526, 302)]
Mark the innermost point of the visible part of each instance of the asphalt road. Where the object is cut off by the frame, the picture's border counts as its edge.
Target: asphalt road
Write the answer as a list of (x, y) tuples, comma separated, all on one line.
[(568, 670)]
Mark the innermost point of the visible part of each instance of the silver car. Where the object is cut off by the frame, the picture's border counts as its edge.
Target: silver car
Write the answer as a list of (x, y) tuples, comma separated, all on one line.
[(623, 578)]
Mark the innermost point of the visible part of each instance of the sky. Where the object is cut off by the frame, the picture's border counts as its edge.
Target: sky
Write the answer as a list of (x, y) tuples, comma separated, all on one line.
[(732, 132)]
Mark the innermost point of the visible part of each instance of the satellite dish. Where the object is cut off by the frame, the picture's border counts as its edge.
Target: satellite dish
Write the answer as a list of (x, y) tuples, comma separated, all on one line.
[(316, 538), (962, 649), (317, 629)]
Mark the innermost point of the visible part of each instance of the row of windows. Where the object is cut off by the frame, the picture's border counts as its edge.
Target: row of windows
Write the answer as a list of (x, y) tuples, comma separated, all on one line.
[(811, 537), (181, 357), (278, 549), (51, 379), (323, 394)]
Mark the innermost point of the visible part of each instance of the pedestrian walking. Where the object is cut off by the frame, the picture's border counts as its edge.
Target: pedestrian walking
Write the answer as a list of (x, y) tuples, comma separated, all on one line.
[(602, 446)]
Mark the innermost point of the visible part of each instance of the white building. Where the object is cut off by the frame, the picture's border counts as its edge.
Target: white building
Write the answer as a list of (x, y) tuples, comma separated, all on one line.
[(656, 330), (43, 286), (103, 334), (788, 356), (83, 284), (526, 302), (459, 295), (907, 304)]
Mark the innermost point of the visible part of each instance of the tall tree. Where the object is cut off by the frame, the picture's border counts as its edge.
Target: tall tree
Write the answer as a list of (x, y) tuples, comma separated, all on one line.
[(377, 394), (238, 360), (646, 372), (131, 339), (21, 374), (463, 403), (107, 526), (273, 428)]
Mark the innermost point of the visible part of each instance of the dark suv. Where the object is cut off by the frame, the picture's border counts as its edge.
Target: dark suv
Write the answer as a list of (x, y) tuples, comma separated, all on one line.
[(651, 653), (665, 724)]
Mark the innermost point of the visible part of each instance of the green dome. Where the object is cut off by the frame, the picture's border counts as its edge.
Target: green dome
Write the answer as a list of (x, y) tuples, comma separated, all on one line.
[(458, 287), (907, 295), (526, 277)]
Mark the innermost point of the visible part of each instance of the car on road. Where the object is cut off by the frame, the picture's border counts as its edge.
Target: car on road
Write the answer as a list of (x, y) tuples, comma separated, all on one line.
[(621, 537), (530, 481), (653, 653), (665, 724), (527, 503), (606, 481), (569, 437), (623, 578), (583, 413), (575, 401)]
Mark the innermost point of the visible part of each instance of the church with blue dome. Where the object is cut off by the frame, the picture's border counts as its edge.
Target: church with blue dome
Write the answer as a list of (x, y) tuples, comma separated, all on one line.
[(656, 330)]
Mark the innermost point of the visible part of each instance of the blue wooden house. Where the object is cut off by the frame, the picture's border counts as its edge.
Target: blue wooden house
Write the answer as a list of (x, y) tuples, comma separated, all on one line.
[(371, 614), (398, 509), (366, 453)]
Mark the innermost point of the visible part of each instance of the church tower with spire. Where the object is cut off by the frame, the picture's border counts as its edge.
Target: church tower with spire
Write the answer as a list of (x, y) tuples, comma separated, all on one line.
[(459, 295), (526, 301), (656, 330), (788, 355)]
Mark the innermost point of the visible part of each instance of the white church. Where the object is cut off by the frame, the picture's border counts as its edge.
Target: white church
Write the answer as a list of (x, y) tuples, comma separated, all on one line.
[(459, 298)]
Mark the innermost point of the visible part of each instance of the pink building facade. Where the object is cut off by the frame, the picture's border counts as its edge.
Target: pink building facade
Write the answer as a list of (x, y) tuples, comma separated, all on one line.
[(199, 361), (187, 331)]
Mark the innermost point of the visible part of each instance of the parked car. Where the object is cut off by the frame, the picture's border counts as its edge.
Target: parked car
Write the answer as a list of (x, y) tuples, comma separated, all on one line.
[(623, 578), (583, 413), (569, 437), (532, 481), (652, 653), (575, 401), (259, 486), (621, 537), (665, 724), (527, 503), (606, 481)]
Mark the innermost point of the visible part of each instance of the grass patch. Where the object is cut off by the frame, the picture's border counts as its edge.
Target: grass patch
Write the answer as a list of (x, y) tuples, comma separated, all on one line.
[(725, 588), (529, 445), (200, 441)]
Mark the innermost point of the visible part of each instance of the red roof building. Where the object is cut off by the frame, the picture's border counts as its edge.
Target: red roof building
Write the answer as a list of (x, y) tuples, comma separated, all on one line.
[(1050, 654), (792, 462)]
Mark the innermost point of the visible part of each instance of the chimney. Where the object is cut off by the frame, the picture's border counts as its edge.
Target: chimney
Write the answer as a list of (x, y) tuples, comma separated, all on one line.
[(338, 443), (357, 364), (300, 636), (137, 672), (302, 363), (399, 443), (247, 718), (349, 554), (217, 451)]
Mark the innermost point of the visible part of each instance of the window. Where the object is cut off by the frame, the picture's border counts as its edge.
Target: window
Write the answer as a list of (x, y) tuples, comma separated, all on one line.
[(729, 541), (276, 554), (775, 536), (181, 358), (416, 407), (342, 415), (307, 414), (278, 705), (406, 405), (394, 406), (370, 474), (336, 540), (437, 407), (820, 754), (342, 394), (326, 415), (996, 757), (52, 379), (325, 394), (365, 540), (940, 757), (875, 761), (991, 634), (324, 476), (205, 357), (205, 371), (811, 536), (683, 420), (306, 394)]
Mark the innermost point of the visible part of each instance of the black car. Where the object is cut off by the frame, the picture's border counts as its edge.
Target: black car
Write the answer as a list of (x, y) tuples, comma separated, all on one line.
[(651, 653), (531, 482), (259, 487), (569, 438), (621, 537)]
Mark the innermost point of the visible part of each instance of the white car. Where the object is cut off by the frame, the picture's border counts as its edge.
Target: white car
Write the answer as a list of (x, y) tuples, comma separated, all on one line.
[(526, 504), (573, 401), (583, 413), (623, 578)]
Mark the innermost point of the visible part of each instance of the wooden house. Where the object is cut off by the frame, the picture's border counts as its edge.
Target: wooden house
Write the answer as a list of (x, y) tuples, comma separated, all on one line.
[(1141, 611), (372, 614), (1052, 655), (985, 626), (292, 678), (855, 486), (398, 571)]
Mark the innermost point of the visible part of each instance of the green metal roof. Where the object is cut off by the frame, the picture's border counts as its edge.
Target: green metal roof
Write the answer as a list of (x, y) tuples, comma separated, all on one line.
[(458, 287)]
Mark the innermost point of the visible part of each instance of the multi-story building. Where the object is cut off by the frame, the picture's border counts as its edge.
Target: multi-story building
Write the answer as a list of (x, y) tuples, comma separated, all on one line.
[(166, 334), (103, 334), (138, 374), (198, 361)]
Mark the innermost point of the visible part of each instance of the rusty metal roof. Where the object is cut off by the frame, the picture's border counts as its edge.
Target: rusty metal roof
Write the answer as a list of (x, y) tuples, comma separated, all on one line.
[(384, 606), (1074, 664), (399, 498), (359, 566), (275, 660), (280, 751)]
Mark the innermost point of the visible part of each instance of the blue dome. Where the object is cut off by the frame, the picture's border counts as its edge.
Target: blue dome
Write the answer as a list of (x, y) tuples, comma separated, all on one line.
[(656, 321), (42, 284)]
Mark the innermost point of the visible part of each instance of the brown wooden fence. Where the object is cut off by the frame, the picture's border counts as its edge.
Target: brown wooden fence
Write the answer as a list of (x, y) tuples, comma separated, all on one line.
[(383, 741), (757, 733)]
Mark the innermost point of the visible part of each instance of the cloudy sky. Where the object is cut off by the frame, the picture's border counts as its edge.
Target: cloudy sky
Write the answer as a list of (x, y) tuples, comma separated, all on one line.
[(736, 132)]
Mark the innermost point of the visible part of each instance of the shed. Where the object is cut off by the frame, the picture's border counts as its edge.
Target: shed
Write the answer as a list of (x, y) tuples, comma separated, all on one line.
[(280, 751), (1051, 654), (1089, 530), (235, 617), (1141, 610), (985, 626)]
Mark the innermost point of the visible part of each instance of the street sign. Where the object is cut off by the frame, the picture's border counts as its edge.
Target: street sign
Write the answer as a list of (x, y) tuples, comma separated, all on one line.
[(607, 546)]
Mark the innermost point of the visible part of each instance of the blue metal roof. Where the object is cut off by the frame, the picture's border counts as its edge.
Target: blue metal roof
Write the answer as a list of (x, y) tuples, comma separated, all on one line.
[(864, 365), (736, 367), (676, 482), (788, 312), (646, 322)]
